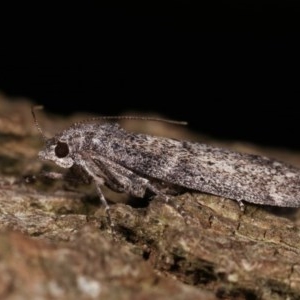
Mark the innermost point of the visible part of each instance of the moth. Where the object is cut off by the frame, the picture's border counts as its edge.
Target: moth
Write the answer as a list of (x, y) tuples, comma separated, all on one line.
[(137, 164)]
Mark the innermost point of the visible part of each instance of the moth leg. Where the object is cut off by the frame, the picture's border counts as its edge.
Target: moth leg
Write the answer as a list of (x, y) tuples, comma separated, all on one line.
[(52, 175), (98, 182), (106, 207), (73, 176), (121, 179), (241, 205)]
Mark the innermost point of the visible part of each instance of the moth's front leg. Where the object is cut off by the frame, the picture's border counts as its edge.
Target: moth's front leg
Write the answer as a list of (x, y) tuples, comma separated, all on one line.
[(52, 175), (121, 179), (118, 178), (74, 175)]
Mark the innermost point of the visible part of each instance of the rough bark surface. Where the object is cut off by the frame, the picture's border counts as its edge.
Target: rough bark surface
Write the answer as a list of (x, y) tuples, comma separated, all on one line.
[(55, 242)]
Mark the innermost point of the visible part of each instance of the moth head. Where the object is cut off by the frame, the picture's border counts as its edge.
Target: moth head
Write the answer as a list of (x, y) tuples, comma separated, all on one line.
[(56, 149), (58, 152)]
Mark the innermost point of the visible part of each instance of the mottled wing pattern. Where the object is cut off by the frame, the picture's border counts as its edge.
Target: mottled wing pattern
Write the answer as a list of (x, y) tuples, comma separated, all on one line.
[(210, 169)]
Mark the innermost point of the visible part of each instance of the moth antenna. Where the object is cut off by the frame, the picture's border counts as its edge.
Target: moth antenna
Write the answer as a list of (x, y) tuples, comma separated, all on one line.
[(135, 118), (33, 108)]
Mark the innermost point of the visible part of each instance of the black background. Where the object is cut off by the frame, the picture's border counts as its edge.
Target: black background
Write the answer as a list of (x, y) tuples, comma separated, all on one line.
[(230, 68)]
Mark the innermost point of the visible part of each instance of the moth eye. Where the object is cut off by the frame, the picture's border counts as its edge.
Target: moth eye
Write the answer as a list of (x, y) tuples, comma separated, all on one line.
[(61, 150)]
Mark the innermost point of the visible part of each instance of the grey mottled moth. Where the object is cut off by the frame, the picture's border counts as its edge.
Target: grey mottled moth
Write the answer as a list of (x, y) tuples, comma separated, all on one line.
[(139, 163)]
